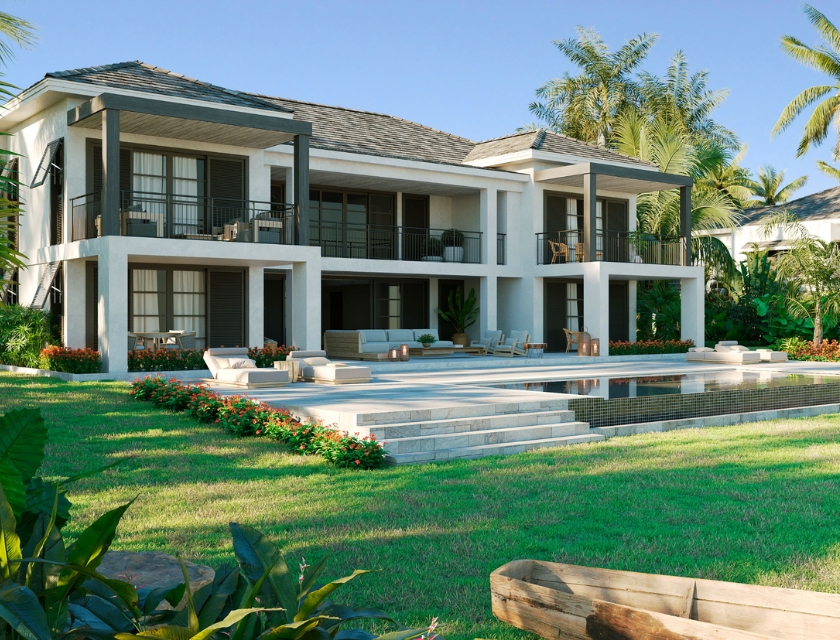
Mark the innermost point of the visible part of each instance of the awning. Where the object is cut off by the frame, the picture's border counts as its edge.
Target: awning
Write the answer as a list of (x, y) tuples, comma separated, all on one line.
[(610, 177), (167, 119)]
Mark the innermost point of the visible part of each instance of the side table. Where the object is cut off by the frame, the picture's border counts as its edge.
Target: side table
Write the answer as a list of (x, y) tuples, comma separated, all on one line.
[(535, 349), (292, 366)]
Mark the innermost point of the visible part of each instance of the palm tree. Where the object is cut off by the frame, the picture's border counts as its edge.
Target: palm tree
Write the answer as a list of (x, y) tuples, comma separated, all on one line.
[(724, 174), (829, 170), (825, 58), (769, 187), (685, 99), (586, 106), (667, 146)]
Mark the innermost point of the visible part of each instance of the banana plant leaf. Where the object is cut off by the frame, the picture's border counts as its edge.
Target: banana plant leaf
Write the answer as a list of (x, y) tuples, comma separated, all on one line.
[(20, 608)]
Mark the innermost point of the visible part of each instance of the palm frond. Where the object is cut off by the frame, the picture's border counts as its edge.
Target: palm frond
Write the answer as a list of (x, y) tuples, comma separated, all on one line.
[(829, 170), (798, 105)]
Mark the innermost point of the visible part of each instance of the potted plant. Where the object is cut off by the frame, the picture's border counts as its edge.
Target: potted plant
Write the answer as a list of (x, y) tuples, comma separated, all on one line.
[(432, 250), (453, 245), (637, 241), (427, 340), (462, 313)]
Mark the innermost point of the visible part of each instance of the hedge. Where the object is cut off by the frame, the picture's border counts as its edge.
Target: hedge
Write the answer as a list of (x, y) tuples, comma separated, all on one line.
[(649, 347)]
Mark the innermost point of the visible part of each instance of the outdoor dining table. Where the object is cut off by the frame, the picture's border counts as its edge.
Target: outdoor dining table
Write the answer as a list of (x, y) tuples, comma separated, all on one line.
[(157, 337)]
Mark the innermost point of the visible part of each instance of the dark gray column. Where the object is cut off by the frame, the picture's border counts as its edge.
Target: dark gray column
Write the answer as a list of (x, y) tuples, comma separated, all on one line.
[(301, 171), (590, 209), (685, 223), (110, 224)]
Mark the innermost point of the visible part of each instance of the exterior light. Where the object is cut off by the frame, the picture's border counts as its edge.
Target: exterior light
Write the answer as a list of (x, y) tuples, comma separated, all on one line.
[(584, 343), (394, 355), (405, 354), (595, 347)]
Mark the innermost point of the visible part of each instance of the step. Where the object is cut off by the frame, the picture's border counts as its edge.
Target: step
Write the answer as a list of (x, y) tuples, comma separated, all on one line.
[(459, 411), (480, 451), (459, 425), (485, 437)]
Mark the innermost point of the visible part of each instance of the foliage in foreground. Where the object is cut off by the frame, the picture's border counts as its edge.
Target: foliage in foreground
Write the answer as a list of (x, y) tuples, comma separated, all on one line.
[(799, 349), (244, 416), (51, 591), (645, 347), (24, 332)]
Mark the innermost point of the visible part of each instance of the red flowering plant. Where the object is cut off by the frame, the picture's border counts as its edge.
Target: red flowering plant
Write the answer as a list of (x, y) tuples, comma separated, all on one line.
[(800, 349), (242, 415), (266, 357), (648, 347), (344, 450), (166, 360), (70, 360)]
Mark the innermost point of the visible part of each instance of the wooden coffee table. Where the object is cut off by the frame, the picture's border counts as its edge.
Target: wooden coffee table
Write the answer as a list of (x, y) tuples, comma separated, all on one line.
[(431, 352)]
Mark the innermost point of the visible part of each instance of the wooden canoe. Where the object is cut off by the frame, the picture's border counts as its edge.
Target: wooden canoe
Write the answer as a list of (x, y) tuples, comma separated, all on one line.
[(568, 602)]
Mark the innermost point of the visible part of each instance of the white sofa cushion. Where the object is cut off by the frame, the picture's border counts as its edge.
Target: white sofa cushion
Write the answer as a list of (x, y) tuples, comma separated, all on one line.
[(374, 335), (401, 335), (723, 348), (700, 349), (411, 344), (240, 363), (312, 353), (329, 374), (316, 361), (739, 347), (375, 347)]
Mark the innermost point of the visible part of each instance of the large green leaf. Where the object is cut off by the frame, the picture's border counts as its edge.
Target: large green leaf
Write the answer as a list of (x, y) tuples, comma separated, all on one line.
[(222, 588), (256, 554), (20, 608), (10, 552), (12, 483), (407, 634), (41, 496), (22, 439), (292, 630), (317, 597)]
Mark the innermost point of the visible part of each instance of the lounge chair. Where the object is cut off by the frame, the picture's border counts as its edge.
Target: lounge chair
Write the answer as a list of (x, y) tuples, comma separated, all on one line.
[(513, 346), (727, 352), (489, 340), (572, 337), (233, 366), (315, 367)]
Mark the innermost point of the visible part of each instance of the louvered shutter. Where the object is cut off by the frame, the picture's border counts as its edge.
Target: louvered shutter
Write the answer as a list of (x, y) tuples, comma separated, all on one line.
[(92, 304), (226, 309), (227, 179), (125, 170)]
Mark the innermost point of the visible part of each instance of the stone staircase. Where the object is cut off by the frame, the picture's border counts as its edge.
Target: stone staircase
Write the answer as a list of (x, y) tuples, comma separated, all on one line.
[(473, 431)]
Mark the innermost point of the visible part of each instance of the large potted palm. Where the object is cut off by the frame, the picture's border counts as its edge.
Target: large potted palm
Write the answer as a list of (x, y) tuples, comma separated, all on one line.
[(462, 313)]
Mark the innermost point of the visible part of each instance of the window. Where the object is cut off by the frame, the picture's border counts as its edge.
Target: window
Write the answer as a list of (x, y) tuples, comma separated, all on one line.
[(46, 166), (169, 299), (148, 300), (386, 306), (341, 223), (189, 300), (574, 306)]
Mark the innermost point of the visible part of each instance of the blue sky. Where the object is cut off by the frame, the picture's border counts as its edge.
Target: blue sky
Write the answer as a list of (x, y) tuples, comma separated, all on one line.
[(469, 68)]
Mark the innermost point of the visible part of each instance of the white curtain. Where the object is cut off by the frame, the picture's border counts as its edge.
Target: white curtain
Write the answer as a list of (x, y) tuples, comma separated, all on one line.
[(599, 226), (572, 309), (148, 300), (185, 192), (149, 185), (189, 301)]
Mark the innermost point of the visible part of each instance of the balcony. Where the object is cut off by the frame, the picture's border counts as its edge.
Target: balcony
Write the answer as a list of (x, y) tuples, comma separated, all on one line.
[(166, 215), (562, 247), (386, 242)]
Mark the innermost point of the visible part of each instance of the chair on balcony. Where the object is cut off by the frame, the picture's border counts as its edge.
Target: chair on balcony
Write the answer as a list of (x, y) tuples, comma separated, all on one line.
[(579, 253), (572, 337), (134, 343), (558, 249)]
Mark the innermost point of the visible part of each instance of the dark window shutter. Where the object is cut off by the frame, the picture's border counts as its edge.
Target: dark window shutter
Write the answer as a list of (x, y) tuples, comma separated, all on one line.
[(125, 170), (226, 309), (92, 300), (227, 179)]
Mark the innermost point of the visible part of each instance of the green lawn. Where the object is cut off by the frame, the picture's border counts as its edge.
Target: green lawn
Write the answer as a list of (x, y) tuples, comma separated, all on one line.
[(756, 503)]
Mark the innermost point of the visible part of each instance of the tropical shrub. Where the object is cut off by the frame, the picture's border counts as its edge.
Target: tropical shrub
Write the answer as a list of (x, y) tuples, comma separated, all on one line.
[(799, 349), (266, 357), (647, 347), (658, 311), (166, 360), (24, 332), (244, 416), (71, 360)]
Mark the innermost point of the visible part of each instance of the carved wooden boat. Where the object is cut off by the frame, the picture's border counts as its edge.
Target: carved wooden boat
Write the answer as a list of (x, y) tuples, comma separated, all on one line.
[(563, 601)]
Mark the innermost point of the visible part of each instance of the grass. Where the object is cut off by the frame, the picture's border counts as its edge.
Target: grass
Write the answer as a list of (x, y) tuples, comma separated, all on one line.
[(756, 503)]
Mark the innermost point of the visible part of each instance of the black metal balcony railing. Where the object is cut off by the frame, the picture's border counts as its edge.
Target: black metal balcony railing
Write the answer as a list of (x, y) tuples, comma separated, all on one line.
[(501, 239), (385, 242), (561, 247), (166, 215)]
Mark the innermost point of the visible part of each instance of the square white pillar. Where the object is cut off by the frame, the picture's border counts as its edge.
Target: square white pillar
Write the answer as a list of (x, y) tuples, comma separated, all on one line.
[(596, 304), (256, 307), (632, 300), (74, 304), (306, 305), (113, 308), (433, 303), (488, 295), (693, 316), (488, 203)]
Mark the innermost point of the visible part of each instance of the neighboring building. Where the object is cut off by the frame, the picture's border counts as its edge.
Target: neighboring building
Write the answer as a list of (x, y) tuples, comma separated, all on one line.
[(819, 214), (160, 202)]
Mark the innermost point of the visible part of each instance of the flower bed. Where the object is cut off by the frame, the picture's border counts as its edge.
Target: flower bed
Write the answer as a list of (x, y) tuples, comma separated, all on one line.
[(649, 347), (70, 360), (244, 416), (799, 349), (193, 359)]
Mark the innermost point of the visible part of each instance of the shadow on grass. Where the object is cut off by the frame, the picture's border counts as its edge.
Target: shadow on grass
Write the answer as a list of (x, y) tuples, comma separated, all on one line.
[(750, 503)]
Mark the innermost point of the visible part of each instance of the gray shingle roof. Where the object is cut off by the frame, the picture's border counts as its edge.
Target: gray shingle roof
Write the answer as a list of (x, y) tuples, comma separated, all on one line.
[(356, 131), (140, 76), (542, 140), (817, 206)]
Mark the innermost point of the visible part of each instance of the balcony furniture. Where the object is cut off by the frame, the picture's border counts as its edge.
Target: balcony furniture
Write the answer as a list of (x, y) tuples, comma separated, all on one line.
[(316, 367), (141, 227), (433, 352), (572, 337), (157, 338), (558, 249), (231, 366), (182, 340), (514, 345), (535, 349), (488, 341), (133, 342), (726, 351), (266, 228), (374, 344)]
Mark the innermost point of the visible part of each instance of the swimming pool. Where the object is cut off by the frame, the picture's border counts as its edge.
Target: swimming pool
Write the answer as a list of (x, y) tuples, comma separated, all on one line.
[(604, 402)]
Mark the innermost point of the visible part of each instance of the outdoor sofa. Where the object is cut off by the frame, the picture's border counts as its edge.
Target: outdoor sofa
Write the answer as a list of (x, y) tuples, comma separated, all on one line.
[(232, 366), (374, 344), (730, 352), (315, 367)]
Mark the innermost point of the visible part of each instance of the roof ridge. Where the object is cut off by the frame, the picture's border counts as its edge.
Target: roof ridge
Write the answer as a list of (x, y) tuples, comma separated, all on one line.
[(373, 113), (510, 135), (145, 65), (596, 146)]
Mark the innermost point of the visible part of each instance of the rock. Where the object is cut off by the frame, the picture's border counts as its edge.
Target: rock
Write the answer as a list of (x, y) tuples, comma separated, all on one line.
[(153, 569)]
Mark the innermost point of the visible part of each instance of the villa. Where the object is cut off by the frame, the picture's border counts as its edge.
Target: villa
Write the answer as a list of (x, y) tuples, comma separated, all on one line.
[(154, 202)]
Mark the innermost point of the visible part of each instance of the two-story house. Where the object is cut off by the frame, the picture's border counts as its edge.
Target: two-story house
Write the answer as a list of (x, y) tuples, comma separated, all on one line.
[(154, 201)]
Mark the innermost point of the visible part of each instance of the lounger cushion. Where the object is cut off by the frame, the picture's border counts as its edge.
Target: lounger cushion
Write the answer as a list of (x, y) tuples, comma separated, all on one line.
[(375, 347), (316, 361), (723, 348), (739, 347), (241, 363), (340, 373), (700, 349), (373, 335), (401, 335), (252, 376), (311, 353)]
